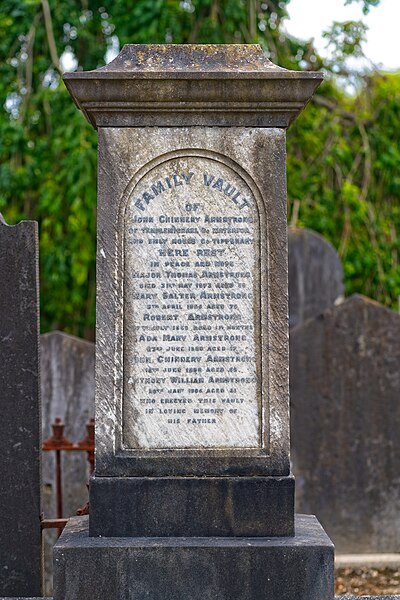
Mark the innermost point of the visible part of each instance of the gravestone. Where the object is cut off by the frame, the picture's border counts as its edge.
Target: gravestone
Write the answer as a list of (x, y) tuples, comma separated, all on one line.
[(67, 389), (20, 439), (67, 383), (345, 381), (192, 495), (315, 275)]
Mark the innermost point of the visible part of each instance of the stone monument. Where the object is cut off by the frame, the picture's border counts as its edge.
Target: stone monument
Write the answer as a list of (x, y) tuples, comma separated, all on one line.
[(192, 496), (344, 384)]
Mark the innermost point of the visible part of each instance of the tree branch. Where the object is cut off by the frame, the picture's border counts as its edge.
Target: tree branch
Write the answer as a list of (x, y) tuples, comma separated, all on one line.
[(326, 103), (50, 35), (28, 70)]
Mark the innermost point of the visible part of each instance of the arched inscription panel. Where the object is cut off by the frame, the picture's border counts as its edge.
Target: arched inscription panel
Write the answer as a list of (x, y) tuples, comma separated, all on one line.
[(192, 371)]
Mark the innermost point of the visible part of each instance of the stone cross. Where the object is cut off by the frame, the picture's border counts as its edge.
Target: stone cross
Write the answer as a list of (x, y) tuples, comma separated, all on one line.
[(192, 402)]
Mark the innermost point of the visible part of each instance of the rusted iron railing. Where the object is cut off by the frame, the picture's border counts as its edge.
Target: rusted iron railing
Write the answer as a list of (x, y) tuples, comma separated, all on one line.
[(59, 443)]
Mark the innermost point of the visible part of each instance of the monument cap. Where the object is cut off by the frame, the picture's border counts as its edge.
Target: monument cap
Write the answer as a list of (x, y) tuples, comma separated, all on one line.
[(200, 84)]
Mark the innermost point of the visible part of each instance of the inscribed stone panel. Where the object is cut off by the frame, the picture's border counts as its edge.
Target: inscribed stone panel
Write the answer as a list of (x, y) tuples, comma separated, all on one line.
[(192, 373)]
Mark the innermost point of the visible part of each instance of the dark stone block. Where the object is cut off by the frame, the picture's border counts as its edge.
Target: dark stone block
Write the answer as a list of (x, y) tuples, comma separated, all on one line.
[(20, 438), (191, 506), (294, 568), (315, 275), (336, 598), (345, 381)]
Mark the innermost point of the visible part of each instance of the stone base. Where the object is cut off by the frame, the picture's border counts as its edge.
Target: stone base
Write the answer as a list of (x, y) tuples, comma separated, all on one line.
[(293, 568), (336, 598), (191, 506)]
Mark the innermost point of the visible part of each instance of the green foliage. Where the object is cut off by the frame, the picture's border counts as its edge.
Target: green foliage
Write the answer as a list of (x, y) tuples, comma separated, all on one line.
[(343, 173), (343, 160), (366, 4), (345, 39)]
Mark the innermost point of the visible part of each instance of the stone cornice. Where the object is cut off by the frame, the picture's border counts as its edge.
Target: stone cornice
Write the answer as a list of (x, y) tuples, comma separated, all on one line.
[(189, 85)]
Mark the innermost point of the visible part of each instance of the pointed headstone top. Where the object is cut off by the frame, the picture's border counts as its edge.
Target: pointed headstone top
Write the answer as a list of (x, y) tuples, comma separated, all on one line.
[(199, 84), (195, 59)]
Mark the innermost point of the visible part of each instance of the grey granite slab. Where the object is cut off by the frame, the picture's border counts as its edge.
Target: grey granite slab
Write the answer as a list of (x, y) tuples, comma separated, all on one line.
[(315, 275), (345, 381), (20, 436)]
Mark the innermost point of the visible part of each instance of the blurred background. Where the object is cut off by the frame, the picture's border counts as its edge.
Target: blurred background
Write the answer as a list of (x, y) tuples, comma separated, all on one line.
[(343, 152)]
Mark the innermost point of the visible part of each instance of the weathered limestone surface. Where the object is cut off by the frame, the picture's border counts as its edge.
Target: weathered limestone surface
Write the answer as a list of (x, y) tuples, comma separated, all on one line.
[(194, 294), (345, 381), (249, 384), (211, 447), (225, 188), (20, 440), (229, 85), (315, 275), (67, 387)]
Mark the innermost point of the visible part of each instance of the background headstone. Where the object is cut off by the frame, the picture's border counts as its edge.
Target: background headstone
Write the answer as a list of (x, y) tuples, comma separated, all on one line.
[(67, 382), (344, 383), (315, 275), (20, 439)]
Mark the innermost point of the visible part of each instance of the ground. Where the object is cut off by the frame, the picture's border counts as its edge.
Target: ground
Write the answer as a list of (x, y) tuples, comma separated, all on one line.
[(364, 581)]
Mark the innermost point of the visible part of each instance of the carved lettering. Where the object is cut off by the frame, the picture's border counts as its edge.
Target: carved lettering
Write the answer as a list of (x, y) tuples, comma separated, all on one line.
[(191, 309)]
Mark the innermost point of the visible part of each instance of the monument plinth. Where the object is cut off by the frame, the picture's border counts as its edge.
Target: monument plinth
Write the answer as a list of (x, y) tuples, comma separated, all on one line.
[(192, 402)]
